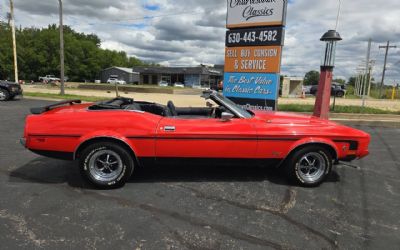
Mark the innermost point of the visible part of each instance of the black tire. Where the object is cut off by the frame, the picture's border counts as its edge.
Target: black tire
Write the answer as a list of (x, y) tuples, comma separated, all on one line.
[(92, 165), (4, 95), (302, 173), (339, 94)]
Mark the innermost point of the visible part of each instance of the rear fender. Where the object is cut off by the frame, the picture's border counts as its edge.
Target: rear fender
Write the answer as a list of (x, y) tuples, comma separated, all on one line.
[(104, 134)]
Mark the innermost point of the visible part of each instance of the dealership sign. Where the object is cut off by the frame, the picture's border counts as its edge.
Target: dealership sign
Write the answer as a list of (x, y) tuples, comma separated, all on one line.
[(253, 13), (265, 36), (253, 52), (259, 59), (251, 85)]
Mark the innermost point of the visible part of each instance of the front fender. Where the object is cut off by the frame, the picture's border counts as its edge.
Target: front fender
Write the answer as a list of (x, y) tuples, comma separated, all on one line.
[(315, 140)]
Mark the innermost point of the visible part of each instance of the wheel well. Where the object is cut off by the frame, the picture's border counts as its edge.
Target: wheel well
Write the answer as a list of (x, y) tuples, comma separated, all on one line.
[(328, 147), (104, 139)]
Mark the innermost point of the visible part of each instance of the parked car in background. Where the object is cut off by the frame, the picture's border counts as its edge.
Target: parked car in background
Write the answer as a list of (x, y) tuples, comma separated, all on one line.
[(307, 89), (9, 90), (163, 83), (49, 78), (336, 90), (115, 81), (306, 147), (179, 85)]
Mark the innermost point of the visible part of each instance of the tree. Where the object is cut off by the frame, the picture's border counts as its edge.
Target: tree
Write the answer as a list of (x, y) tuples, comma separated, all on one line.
[(38, 54), (352, 81), (311, 78), (340, 81)]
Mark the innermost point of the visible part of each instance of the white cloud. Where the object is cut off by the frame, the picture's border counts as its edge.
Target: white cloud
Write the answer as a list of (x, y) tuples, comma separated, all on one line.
[(146, 29)]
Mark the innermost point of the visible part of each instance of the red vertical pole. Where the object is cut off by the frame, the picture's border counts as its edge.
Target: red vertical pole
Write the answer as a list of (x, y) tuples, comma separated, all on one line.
[(322, 102)]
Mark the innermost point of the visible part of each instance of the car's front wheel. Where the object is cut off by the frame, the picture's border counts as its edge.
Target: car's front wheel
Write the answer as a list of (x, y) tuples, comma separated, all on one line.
[(106, 164), (309, 166), (4, 95), (339, 94)]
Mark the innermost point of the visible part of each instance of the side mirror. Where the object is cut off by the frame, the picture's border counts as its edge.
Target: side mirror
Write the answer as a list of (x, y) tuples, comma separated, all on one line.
[(226, 116)]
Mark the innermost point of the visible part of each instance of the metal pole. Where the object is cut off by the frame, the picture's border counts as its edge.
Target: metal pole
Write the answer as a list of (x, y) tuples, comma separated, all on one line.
[(370, 76), (384, 70), (357, 87), (14, 41), (62, 91), (387, 47), (366, 71)]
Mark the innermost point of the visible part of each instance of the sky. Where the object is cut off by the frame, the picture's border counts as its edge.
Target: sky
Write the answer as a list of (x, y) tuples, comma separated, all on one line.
[(190, 32)]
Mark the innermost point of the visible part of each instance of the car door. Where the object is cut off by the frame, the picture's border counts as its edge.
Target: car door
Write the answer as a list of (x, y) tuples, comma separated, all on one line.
[(206, 138)]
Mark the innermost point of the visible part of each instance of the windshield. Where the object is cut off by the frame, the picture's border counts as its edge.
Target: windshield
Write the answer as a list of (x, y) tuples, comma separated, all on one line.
[(233, 107)]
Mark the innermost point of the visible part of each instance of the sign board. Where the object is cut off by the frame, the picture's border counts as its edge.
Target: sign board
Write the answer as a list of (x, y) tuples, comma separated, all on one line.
[(253, 13), (266, 36), (251, 85), (255, 104), (257, 59)]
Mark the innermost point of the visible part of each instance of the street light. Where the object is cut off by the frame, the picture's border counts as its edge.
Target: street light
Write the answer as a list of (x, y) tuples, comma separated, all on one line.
[(322, 102), (331, 37)]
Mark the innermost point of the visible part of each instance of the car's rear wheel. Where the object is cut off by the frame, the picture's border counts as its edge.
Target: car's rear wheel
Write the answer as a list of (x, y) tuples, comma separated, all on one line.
[(106, 164), (309, 166), (4, 95)]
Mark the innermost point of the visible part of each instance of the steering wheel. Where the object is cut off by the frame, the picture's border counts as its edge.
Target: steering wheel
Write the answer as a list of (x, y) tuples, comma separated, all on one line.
[(172, 108)]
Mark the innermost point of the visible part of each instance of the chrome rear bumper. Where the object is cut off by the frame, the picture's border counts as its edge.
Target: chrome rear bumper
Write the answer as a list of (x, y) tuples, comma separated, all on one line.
[(23, 141)]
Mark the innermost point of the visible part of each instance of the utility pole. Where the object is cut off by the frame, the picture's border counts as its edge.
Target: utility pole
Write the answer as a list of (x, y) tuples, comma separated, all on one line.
[(366, 72), (357, 83), (62, 92), (12, 22), (387, 47), (371, 65)]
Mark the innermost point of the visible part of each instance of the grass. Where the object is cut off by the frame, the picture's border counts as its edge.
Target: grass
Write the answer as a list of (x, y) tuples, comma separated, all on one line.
[(281, 107), (67, 96), (338, 109)]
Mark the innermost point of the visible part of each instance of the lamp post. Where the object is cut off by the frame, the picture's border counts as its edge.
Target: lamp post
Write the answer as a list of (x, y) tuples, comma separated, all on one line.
[(322, 102)]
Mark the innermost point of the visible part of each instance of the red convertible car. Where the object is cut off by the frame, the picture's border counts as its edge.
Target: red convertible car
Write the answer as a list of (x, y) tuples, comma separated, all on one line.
[(111, 138)]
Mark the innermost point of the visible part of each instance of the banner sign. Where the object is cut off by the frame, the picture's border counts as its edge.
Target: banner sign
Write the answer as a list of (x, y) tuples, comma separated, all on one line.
[(255, 104), (266, 36), (258, 59), (253, 13), (251, 85)]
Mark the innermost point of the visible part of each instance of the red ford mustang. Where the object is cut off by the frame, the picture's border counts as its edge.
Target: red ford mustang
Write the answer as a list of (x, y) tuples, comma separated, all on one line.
[(110, 138)]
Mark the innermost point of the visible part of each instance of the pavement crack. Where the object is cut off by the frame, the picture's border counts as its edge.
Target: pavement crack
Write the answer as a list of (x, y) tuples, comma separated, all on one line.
[(223, 230), (21, 226), (288, 202), (390, 151)]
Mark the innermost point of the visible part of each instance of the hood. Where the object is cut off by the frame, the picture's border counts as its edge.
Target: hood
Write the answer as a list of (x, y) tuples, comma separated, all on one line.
[(290, 118), (7, 83)]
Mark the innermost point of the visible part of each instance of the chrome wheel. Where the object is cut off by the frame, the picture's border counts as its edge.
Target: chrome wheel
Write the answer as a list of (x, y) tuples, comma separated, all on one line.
[(3, 95), (311, 167), (105, 165)]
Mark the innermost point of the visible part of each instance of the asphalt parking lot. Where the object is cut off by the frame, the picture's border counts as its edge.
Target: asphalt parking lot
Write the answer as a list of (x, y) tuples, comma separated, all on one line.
[(45, 203)]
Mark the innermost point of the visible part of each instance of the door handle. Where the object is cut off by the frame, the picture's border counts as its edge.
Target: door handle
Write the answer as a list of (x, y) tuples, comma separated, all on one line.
[(169, 128)]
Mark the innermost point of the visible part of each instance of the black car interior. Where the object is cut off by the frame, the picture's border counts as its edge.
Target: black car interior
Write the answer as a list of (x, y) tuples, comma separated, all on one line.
[(122, 103)]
